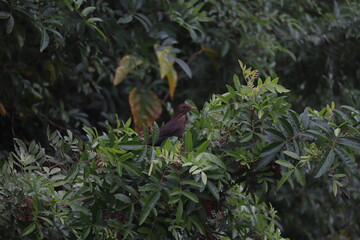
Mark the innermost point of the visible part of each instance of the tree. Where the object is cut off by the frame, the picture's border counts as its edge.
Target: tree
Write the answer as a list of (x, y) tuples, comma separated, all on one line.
[(243, 147)]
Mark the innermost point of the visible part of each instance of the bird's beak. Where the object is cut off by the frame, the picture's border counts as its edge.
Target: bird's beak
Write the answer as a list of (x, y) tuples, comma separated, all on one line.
[(193, 108)]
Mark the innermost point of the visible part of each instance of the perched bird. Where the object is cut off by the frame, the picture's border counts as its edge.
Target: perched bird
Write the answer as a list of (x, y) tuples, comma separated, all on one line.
[(176, 125)]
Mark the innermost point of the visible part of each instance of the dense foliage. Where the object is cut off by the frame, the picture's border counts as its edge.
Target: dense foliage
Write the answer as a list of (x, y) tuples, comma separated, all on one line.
[(60, 59), (242, 148), (72, 63)]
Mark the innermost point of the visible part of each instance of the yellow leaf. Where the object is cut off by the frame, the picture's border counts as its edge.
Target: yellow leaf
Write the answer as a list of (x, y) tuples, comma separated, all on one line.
[(165, 59), (145, 107), (2, 110), (127, 64), (172, 80), (210, 52)]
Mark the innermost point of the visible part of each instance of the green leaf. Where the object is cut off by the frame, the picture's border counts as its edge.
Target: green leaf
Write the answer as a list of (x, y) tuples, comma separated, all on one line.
[(94, 19), (175, 191), (123, 198), (184, 66), (87, 10), (131, 169), (285, 163), (191, 182), (286, 126), (73, 174), (188, 141), (29, 229), (292, 155), (142, 155), (203, 147), (237, 84), (215, 159), (126, 156), (347, 159), (44, 40), (294, 119), (283, 179), (149, 205), (214, 190), (325, 163), (155, 133), (10, 25), (198, 224), (144, 20), (350, 142), (300, 177), (203, 178), (99, 31), (179, 212), (190, 196), (272, 148), (131, 145), (144, 230), (319, 135), (334, 188)]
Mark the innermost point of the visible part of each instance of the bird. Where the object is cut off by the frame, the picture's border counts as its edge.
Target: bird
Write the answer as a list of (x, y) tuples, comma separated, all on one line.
[(176, 125)]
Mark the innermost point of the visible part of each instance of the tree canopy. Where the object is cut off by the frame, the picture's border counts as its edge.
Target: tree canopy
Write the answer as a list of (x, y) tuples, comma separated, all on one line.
[(72, 72)]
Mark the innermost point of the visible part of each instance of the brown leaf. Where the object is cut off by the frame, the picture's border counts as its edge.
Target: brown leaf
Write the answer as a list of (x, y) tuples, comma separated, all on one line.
[(145, 107), (2, 110)]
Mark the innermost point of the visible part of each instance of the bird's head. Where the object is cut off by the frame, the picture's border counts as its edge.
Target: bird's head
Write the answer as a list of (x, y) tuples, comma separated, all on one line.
[(183, 108)]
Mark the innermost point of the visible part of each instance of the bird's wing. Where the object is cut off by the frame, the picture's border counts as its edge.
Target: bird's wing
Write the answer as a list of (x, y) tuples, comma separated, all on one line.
[(169, 129)]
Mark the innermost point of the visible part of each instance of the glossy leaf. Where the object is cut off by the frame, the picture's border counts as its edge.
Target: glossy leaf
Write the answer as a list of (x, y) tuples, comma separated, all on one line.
[(214, 190), (272, 148), (123, 198), (44, 40), (300, 177), (215, 160), (184, 66), (347, 159), (325, 163), (151, 201), (292, 155), (284, 177), (87, 10), (350, 142), (191, 196), (29, 229), (285, 163)]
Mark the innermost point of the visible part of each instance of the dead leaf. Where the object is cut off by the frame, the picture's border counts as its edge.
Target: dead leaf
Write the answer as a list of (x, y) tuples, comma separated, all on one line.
[(145, 107), (2, 110)]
